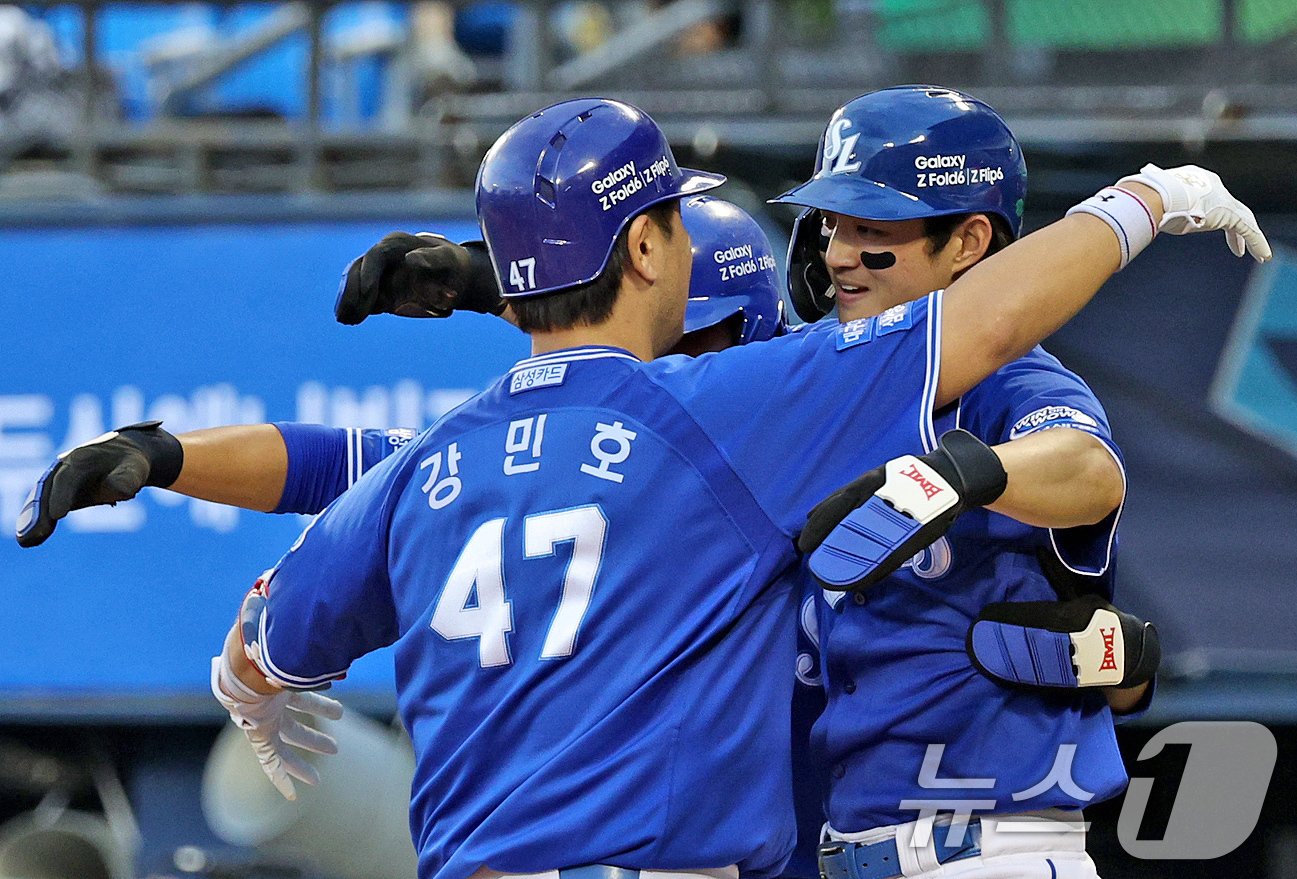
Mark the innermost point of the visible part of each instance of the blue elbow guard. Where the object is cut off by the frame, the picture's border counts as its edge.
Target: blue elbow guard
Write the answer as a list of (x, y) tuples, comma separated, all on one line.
[(861, 543), (1083, 642)]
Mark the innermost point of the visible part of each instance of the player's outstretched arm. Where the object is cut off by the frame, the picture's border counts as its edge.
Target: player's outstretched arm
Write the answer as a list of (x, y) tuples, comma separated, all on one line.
[(242, 466), (1059, 478), (1006, 304), (423, 275)]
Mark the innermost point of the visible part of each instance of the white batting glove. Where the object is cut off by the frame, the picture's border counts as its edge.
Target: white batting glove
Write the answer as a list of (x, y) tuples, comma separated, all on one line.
[(270, 729), (1195, 200)]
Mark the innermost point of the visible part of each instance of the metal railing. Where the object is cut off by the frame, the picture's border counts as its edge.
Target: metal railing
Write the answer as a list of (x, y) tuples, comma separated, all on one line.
[(769, 88)]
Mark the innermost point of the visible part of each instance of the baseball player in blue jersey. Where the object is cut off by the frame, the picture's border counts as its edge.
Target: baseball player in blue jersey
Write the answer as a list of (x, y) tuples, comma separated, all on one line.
[(289, 467), (572, 719), (881, 226), (1062, 293)]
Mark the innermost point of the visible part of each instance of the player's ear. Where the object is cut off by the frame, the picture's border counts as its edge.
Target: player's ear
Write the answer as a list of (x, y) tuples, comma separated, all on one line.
[(973, 237), (643, 249)]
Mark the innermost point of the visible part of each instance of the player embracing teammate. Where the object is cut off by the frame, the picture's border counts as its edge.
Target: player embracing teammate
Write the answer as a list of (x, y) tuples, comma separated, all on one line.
[(687, 617)]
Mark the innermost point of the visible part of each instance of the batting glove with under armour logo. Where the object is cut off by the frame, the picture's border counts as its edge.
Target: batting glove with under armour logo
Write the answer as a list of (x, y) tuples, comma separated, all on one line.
[(1195, 200)]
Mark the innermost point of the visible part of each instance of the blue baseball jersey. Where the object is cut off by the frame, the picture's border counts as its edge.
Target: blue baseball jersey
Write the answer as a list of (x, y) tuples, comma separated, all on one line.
[(323, 462), (907, 711), (581, 572), (810, 782)]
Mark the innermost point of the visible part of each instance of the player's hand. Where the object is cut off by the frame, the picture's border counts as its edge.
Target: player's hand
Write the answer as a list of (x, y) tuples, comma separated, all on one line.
[(1195, 200), (1082, 642), (867, 529), (271, 725), (107, 469), (422, 275)]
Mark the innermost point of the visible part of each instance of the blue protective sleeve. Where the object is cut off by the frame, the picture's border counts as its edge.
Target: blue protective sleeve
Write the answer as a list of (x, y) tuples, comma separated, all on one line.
[(323, 462), (318, 468)]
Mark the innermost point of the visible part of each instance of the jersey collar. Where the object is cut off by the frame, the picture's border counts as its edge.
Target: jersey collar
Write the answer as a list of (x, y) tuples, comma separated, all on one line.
[(581, 352)]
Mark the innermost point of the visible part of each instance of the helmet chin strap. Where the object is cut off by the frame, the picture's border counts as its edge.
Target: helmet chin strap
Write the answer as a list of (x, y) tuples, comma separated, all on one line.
[(877, 261)]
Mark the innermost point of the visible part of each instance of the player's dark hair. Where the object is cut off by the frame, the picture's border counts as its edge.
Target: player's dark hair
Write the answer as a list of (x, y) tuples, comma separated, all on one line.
[(590, 303), (939, 229)]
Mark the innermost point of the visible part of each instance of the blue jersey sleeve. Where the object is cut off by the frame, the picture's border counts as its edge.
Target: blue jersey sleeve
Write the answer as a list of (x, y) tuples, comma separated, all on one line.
[(800, 415), (329, 600), (1037, 393), (323, 462)]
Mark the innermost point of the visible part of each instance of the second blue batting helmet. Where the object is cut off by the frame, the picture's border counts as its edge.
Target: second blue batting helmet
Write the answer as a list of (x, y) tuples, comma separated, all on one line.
[(733, 271), (556, 189), (916, 151)]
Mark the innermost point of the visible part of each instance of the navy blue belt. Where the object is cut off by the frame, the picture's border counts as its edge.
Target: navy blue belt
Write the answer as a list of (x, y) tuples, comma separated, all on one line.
[(880, 860)]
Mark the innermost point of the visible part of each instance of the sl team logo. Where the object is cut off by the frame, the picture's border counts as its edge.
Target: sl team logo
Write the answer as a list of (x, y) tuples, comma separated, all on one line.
[(839, 147)]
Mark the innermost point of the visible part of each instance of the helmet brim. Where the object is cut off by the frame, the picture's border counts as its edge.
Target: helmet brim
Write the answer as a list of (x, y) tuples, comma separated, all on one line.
[(695, 182), (707, 311), (866, 199)]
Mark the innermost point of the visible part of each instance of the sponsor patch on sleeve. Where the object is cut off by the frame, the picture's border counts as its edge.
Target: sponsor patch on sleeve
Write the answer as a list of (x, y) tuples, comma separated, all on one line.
[(894, 319), (856, 332), (1054, 416), (398, 436), (534, 377)]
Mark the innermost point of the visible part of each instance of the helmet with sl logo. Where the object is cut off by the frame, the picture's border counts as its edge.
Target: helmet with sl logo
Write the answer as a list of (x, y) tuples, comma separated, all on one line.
[(903, 153), (733, 271), (556, 189), (916, 151)]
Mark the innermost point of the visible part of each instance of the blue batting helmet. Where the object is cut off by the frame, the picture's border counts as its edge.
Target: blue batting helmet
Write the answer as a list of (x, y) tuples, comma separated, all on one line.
[(555, 191), (733, 271), (916, 151)]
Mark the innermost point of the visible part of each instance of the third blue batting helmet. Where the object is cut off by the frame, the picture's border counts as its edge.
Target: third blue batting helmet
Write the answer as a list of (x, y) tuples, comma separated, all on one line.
[(916, 151), (556, 189), (733, 271)]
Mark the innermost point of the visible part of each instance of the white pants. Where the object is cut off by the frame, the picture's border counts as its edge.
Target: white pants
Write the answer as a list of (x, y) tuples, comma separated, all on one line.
[(1049, 844)]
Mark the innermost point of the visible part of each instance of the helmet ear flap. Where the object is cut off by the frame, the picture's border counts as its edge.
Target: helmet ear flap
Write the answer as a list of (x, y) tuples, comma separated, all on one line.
[(809, 287)]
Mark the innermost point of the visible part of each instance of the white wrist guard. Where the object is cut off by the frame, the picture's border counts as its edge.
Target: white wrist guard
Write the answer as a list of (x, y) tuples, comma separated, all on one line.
[(1126, 214), (224, 679)]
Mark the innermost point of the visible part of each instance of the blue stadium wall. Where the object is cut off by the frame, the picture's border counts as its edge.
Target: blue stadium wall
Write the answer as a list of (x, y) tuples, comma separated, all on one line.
[(213, 312)]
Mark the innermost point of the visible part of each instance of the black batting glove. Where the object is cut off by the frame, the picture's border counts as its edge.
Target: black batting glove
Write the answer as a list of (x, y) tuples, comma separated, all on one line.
[(105, 470), (424, 275), (868, 528)]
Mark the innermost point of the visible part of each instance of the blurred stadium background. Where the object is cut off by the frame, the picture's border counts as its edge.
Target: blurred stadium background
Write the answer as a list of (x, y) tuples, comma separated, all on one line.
[(182, 183)]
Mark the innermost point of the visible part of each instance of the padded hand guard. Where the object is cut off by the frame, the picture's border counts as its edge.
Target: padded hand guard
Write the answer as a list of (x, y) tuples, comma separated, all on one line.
[(1084, 642), (867, 529), (107, 469), (422, 275)]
